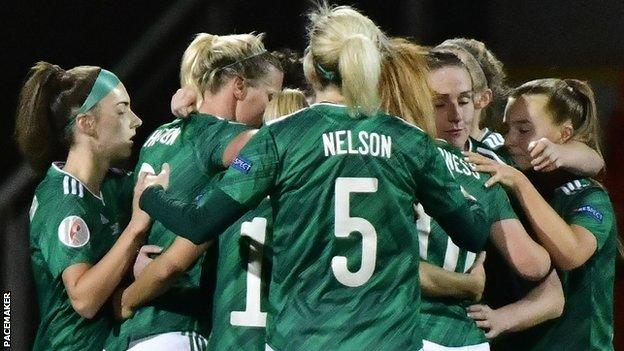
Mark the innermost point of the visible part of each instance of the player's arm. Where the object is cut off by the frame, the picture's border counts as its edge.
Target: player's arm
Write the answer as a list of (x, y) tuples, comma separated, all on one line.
[(235, 145), (573, 156), (569, 246), (530, 260), (242, 188), (89, 286), (158, 276), (438, 282), (542, 303)]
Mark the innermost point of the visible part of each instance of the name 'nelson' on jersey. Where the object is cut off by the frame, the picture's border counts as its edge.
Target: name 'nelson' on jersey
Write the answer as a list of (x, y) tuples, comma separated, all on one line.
[(342, 142)]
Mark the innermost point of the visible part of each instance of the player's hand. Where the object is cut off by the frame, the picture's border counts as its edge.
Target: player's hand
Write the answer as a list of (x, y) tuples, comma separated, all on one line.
[(126, 312), (143, 258), (493, 322), (183, 102), (161, 178), (546, 155), (477, 273), (500, 173), (140, 219)]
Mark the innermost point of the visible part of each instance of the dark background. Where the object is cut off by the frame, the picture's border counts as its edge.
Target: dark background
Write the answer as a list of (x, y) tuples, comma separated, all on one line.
[(143, 41)]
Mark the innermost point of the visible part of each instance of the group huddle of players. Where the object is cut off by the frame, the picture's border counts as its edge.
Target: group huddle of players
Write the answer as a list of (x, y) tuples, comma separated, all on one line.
[(417, 203)]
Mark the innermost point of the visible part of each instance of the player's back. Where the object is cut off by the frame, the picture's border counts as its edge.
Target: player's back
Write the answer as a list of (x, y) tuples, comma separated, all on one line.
[(345, 247)]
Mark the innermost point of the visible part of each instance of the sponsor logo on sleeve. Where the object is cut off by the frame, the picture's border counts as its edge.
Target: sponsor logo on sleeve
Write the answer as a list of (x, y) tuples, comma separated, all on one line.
[(73, 232), (590, 210), (242, 164)]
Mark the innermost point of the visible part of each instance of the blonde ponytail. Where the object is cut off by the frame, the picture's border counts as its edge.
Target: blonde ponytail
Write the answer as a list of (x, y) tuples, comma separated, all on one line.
[(359, 65), (346, 49), (194, 63)]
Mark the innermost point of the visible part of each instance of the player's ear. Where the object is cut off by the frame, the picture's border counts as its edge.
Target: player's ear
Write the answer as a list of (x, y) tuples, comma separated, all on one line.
[(86, 124), (483, 99), (240, 88)]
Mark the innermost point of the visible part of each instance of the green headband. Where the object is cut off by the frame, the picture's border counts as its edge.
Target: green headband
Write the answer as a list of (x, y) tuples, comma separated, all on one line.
[(327, 74), (106, 81)]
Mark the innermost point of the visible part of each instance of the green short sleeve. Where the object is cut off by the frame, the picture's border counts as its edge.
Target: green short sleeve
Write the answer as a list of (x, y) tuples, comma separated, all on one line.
[(213, 139), (252, 174), (592, 210), (499, 205), (67, 240)]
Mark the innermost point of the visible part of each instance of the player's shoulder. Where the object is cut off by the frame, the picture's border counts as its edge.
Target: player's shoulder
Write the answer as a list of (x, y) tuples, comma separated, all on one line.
[(59, 195), (492, 139), (584, 189), (499, 155), (59, 185)]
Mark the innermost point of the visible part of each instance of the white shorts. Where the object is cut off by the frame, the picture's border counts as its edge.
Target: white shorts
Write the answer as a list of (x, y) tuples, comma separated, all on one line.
[(268, 348), (430, 346), (183, 341)]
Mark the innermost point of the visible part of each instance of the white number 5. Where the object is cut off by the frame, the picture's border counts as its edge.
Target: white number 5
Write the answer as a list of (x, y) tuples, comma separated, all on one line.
[(345, 225)]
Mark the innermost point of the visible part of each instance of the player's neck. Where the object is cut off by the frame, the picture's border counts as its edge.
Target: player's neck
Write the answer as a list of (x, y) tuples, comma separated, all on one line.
[(220, 104), (330, 94), (476, 132), (87, 167)]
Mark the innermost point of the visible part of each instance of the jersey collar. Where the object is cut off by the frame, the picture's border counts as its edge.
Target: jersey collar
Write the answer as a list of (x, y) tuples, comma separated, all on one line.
[(57, 167)]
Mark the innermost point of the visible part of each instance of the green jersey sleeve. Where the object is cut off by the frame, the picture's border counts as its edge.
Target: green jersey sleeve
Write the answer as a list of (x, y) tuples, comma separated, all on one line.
[(253, 172), (592, 211), (499, 205), (210, 144), (67, 240)]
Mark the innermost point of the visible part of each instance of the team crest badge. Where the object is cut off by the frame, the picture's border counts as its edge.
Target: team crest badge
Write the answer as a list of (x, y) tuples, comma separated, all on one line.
[(73, 232)]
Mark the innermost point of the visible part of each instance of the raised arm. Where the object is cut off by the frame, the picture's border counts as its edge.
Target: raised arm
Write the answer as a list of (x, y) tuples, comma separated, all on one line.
[(573, 156), (244, 185), (570, 246)]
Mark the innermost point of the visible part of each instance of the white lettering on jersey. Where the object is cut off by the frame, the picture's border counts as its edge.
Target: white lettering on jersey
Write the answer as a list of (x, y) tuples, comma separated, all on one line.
[(343, 142), (165, 136), (73, 232), (455, 164)]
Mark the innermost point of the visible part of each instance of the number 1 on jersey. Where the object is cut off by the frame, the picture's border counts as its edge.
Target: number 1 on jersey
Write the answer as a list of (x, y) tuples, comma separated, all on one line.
[(252, 316), (344, 225)]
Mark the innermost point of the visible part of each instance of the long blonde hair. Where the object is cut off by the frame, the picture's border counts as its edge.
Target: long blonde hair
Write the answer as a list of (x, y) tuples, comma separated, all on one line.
[(403, 86), (346, 50), (211, 60)]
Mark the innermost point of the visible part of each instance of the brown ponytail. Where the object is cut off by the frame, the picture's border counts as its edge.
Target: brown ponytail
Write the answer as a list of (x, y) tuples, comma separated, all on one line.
[(49, 99), (586, 123), (572, 100)]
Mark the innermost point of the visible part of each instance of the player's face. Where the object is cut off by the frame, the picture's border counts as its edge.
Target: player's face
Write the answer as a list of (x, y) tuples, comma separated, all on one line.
[(453, 102), (249, 111), (116, 125), (527, 119)]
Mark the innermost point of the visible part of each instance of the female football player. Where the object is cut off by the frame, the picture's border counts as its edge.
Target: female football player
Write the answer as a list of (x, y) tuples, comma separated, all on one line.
[(571, 216), (79, 251), (284, 103), (234, 78)]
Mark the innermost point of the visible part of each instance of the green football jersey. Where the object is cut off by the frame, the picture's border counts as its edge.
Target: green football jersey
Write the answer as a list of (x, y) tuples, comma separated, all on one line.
[(241, 294), (342, 191), (71, 225), (587, 320), (193, 147), (444, 320)]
